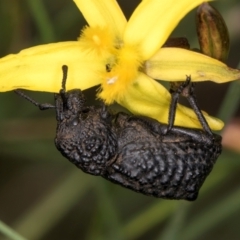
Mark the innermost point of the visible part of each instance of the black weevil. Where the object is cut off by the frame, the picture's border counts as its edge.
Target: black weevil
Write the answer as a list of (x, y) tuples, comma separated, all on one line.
[(139, 153)]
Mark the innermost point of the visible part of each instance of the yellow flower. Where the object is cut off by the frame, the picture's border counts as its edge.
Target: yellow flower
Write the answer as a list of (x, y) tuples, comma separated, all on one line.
[(123, 56)]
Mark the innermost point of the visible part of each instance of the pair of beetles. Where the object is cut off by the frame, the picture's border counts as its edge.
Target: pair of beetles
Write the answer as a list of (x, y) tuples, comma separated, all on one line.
[(139, 153)]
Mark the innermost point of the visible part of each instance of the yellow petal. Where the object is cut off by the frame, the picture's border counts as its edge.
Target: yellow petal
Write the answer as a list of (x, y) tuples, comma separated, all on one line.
[(148, 98), (173, 64), (103, 13), (39, 68), (152, 22)]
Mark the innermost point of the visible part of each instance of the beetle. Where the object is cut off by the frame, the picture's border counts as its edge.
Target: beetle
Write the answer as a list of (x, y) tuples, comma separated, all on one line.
[(136, 152)]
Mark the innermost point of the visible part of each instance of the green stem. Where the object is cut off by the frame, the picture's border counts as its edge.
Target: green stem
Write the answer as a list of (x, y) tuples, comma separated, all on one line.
[(42, 20), (230, 102), (176, 223), (48, 212), (212, 217), (155, 214), (9, 232), (106, 215)]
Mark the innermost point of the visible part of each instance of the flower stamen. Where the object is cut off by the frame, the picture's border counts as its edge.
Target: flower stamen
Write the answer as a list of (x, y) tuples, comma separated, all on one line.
[(112, 80), (123, 72)]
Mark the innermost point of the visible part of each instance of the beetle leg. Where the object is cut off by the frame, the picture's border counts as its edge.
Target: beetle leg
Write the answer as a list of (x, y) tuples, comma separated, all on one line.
[(176, 90), (194, 104), (41, 106), (187, 90)]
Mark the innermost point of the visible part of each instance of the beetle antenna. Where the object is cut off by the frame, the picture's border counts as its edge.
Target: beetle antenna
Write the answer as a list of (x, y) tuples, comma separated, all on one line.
[(44, 106), (64, 80), (41, 106)]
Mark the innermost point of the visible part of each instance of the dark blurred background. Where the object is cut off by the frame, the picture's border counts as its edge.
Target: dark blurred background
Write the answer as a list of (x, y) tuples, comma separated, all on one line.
[(43, 196)]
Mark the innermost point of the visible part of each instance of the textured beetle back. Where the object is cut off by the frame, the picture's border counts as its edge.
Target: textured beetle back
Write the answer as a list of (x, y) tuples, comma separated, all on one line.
[(173, 170), (87, 139)]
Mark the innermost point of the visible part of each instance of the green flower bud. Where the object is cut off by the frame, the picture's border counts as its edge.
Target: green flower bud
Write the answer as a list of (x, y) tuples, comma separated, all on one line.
[(212, 32)]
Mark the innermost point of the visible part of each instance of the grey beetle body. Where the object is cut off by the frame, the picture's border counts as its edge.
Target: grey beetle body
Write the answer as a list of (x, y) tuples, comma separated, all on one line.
[(136, 152)]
